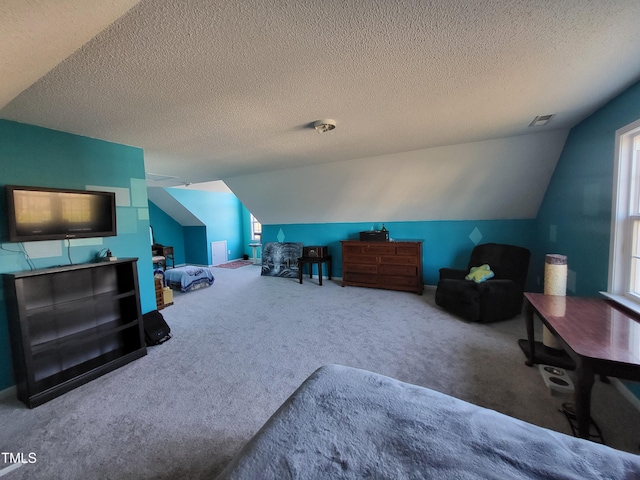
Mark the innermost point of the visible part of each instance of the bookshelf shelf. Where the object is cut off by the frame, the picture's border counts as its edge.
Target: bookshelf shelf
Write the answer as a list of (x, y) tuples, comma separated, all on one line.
[(69, 325)]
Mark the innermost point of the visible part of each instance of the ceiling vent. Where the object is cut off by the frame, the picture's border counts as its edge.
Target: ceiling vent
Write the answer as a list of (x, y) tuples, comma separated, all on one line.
[(540, 120), (322, 126)]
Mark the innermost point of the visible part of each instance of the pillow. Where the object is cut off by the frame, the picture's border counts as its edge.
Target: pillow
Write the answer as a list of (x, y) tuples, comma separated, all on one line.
[(480, 274)]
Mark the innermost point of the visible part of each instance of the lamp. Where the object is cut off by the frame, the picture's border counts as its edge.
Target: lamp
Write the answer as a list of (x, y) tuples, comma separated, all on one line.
[(326, 125), (555, 283)]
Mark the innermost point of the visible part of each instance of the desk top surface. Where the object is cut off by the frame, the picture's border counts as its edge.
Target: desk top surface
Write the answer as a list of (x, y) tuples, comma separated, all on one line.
[(383, 242), (592, 327)]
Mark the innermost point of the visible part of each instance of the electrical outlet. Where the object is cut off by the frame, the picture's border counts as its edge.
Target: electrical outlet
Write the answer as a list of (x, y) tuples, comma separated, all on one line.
[(229, 252)]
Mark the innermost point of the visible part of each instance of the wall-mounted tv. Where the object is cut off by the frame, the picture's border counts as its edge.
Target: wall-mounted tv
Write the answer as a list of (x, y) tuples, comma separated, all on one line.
[(41, 213)]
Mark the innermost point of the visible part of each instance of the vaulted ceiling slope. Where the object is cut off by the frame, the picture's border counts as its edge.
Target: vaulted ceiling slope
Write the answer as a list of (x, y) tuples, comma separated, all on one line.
[(503, 178), (36, 36), (213, 90)]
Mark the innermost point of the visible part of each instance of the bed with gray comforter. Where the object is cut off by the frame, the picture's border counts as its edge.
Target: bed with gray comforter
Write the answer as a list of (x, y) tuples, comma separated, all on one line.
[(349, 423)]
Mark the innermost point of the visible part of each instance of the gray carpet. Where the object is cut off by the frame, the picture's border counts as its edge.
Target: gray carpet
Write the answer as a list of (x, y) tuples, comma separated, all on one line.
[(242, 346)]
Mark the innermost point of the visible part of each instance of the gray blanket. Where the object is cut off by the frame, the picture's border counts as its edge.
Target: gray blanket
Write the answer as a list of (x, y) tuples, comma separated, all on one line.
[(188, 278), (349, 423)]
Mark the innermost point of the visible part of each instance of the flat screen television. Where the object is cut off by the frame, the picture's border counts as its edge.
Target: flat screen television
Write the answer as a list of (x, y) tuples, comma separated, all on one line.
[(41, 213)]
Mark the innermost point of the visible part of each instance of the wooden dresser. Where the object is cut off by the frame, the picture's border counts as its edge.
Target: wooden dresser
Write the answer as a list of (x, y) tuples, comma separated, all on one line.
[(394, 265)]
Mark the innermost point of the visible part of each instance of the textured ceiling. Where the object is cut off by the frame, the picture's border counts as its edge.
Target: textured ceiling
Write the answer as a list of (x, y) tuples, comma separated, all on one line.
[(219, 89), (37, 35)]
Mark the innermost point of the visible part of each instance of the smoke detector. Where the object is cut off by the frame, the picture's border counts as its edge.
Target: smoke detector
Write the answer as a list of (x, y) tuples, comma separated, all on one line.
[(326, 125)]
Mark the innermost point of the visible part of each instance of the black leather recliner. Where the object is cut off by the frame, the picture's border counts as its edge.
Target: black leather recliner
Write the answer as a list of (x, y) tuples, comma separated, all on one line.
[(498, 298)]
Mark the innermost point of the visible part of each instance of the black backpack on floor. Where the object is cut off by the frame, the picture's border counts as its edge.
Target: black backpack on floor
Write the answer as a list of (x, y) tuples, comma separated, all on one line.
[(156, 330)]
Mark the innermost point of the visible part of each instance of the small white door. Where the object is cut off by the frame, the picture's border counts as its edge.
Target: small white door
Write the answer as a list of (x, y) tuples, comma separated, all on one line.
[(219, 253)]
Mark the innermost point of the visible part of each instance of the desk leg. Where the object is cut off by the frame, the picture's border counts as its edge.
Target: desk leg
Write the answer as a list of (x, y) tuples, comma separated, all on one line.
[(530, 362), (300, 264), (329, 269), (582, 392), (320, 273)]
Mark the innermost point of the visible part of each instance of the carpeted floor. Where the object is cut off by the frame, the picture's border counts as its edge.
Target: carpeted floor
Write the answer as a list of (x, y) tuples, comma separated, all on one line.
[(242, 346)]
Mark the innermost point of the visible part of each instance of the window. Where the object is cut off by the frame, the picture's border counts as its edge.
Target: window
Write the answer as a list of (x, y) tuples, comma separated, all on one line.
[(256, 229), (624, 261)]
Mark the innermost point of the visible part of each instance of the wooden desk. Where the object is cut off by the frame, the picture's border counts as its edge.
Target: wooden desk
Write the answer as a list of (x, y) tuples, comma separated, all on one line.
[(601, 337), (161, 254), (318, 261), (167, 252)]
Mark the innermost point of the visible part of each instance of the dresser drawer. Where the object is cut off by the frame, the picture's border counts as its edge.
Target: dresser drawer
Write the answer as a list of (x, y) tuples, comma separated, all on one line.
[(397, 281), (363, 259), (408, 270), (360, 268), (398, 260), (360, 278), (379, 249), (351, 249), (409, 250)]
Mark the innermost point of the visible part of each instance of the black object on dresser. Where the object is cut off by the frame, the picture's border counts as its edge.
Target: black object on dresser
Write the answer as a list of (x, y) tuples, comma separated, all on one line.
[(69, 325), (392, 265), (375, 236)]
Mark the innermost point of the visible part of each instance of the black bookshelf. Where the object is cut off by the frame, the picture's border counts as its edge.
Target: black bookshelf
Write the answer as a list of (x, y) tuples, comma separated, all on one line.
[(71, 324)]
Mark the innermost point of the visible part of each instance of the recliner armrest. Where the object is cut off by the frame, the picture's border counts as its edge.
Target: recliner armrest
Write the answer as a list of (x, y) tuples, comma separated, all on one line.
[(499, 285), (452, 274)]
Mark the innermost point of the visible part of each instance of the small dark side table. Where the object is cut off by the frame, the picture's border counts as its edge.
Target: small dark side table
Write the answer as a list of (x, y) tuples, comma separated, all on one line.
[(318, 261)]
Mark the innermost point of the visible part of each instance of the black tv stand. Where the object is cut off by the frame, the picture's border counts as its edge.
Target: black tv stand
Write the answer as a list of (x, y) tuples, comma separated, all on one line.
[(71, 324)]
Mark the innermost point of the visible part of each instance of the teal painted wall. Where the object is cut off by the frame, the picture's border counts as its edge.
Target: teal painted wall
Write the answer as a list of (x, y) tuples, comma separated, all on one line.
[(167, 232), (575, 216), (446, 243), (37, 156), (195, 242), (579, 199), (221, 213)]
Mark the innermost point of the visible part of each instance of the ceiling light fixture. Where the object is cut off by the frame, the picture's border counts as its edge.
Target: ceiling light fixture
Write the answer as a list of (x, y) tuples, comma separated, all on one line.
[(322, 126), (540, 120)]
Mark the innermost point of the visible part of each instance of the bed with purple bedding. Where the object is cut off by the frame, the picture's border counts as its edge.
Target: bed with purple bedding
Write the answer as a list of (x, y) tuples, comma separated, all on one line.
[(349, 423), (188, 278)]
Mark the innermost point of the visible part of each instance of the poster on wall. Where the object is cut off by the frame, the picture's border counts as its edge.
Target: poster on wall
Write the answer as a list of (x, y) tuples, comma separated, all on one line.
[(281, 259)]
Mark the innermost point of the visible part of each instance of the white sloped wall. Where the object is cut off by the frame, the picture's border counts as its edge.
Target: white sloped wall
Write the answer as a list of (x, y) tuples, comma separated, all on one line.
[(503, 178)]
